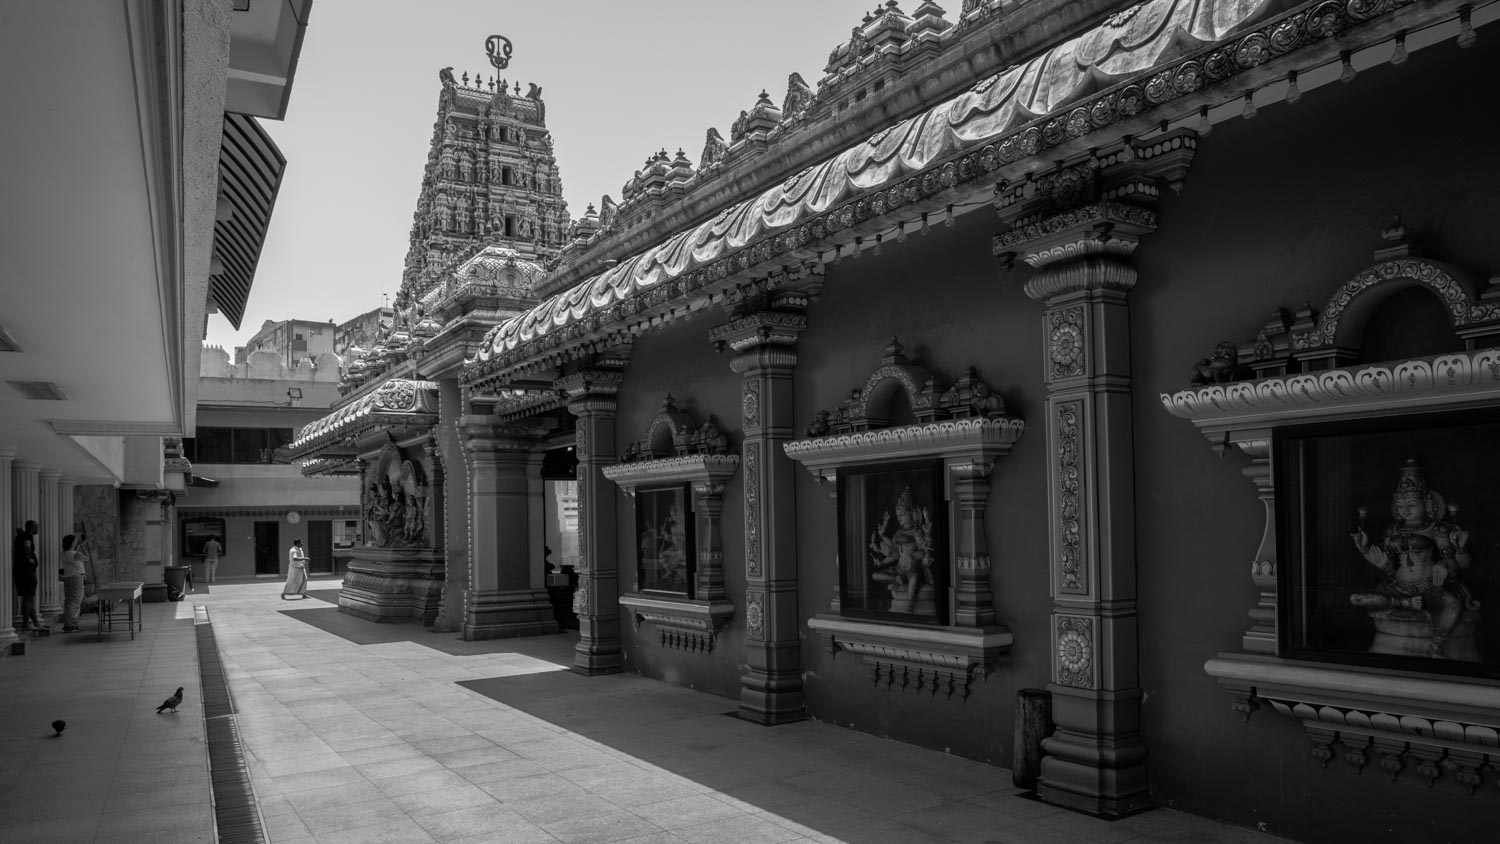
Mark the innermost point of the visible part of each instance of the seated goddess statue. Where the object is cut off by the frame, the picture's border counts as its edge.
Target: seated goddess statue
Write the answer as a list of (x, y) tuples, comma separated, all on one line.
[(1420, 608)]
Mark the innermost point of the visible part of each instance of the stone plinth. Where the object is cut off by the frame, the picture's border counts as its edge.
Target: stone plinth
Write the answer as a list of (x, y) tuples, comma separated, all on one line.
[(393, 584)]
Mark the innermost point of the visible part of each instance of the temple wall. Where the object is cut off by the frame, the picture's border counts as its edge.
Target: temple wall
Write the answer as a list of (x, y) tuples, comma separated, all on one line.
[(944, 298), (1276, 212), (681, 361)]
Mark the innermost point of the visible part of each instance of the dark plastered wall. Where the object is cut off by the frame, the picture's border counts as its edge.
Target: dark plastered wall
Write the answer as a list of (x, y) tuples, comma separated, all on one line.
[(1278, 211), (680, 360), (946, 299)]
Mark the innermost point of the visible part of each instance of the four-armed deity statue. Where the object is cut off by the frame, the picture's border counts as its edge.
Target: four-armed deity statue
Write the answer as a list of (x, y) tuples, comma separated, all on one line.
[(903, 557), (1420, 608)]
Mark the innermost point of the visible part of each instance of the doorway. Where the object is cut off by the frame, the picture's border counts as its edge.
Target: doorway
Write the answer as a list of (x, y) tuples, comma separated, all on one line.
[(320, 547), (560, 515), (268, 548)]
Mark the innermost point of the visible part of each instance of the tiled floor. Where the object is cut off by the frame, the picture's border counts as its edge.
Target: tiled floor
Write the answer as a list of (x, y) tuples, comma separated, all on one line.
[(119, 771), (359, 732)]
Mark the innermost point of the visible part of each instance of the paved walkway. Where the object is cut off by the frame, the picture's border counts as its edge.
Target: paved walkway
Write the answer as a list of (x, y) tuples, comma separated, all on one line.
[(358, 732), (119, 772), (364, 733)]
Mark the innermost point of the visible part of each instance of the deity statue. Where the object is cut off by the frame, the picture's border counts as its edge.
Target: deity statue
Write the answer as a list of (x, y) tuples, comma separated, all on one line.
[(1420, 608), (395, 511), (411, 529), (903, 558), (375, 517), (737, 131), (710, 439), (671, 551), (799, 96), (819, 427), (713, 149)]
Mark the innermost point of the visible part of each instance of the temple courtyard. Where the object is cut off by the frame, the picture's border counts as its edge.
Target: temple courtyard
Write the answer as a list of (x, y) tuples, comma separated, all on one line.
[(361, 732)]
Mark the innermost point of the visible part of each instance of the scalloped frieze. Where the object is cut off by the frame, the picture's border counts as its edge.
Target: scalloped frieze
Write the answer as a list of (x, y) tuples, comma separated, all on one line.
[(1450, 377), (823, 455), (691, 468)]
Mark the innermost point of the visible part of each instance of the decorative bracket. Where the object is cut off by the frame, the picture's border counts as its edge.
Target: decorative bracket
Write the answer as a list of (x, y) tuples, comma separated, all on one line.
[(920, 659)]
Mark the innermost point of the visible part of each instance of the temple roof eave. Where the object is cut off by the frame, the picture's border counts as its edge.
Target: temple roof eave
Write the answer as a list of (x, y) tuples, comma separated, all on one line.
[(394, 403), (963, 158)]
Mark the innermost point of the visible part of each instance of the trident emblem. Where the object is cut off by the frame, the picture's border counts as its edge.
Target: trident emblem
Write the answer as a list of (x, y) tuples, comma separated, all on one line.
[(498, 47)]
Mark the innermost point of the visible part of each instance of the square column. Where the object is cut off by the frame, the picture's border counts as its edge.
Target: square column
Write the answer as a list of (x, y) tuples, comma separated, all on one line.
[(8, 528), (591, 398), (1096, 761), (765, 356), (49, 547), (505, 597)]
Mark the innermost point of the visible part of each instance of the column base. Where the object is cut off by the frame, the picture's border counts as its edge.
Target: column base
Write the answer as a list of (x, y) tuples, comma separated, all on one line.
[(508, 614), (763, 702), (1095, 760), (391, 585), (1101, 792), (598, 651)]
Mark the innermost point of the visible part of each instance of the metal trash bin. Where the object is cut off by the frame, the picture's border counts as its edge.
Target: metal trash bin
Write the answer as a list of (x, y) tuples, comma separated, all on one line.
[(176, 578)]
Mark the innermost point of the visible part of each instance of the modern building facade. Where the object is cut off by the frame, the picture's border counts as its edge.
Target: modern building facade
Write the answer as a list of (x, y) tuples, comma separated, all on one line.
[(1114, 350), (244, 487), (137, 124), (291, 340)]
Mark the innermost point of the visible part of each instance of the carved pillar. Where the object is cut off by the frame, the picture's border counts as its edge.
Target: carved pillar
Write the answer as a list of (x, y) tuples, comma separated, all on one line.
[(974, 604), (1095, 760), (591, 398), (764, 343), (1261, 637), (708, 506), (8, 530), (49, 541), (26, 505), (505, 597)]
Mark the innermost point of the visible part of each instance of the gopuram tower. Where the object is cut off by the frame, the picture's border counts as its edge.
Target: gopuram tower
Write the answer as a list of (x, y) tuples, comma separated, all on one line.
[(490, 180)]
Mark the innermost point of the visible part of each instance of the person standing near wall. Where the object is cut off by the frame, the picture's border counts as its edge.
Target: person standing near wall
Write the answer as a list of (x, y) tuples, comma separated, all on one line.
[(211, 551), (74, 559), (24, 566), (296, 572)]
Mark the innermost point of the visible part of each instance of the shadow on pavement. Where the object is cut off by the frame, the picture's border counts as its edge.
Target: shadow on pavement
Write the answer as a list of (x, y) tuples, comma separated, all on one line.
[(358, 631)]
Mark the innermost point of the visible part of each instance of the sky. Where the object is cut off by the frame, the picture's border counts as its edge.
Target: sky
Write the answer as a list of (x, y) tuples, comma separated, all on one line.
[(621, 80)]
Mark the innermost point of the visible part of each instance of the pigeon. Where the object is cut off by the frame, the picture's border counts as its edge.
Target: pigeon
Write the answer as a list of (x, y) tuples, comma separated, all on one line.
[(171, 702), (59, 726)]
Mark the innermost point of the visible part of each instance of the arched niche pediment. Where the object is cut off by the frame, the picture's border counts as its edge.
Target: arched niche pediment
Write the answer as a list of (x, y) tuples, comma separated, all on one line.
[(1342, 321), (1334, 336)]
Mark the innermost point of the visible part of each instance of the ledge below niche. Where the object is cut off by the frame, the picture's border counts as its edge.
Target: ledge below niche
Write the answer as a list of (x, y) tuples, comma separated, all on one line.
[(1406, 722), (682, 623), (930, 659)]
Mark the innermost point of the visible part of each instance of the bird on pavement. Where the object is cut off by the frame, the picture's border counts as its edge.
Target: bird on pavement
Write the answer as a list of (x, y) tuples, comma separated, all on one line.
[(59, 726), (171, 702)]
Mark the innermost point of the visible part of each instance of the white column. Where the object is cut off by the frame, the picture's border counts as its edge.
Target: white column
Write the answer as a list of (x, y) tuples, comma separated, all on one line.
[(49, 547), (25, 504), (8, 531)]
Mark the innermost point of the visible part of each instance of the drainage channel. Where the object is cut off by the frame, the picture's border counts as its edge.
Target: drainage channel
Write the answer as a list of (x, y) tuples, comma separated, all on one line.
[(237, 817)]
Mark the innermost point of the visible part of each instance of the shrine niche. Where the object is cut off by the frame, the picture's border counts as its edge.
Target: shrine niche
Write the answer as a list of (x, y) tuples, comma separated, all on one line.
[(909, 456), (676, 472), (396, 571), (1377, 624)]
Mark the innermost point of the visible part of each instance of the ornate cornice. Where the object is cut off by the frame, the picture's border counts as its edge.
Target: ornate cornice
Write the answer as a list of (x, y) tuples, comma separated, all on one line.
[(973, 438), (1419, 384), (693, 468), (902, 657), (1409, 722), (681, 623), (1168, 50), (398, 402)]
